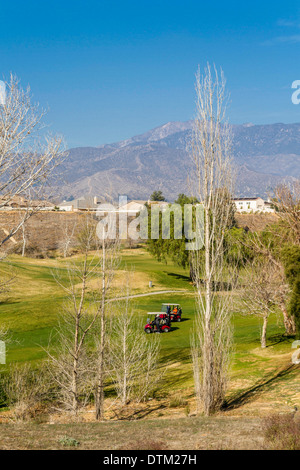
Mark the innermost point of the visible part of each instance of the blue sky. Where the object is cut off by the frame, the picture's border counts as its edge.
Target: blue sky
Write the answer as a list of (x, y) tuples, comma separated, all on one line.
[(109, 70)]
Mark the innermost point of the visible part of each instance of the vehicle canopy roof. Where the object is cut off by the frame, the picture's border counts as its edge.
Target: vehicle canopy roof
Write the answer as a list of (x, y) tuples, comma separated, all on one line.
[(172, 303)]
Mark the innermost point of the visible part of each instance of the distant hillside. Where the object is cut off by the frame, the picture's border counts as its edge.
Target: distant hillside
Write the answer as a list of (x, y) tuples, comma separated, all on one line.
[(158, 159)]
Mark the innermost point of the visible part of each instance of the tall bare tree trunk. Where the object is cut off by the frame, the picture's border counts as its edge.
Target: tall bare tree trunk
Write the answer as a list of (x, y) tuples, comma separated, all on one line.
[(74, 384), (207, 344), (100, 381), (125, 376), (281, 291), (289, 322), (211, 155), (77, 342), (264, 332), (24, 240)]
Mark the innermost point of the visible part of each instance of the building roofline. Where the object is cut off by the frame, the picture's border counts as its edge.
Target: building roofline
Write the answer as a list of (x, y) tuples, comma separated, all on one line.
[(246, 198)]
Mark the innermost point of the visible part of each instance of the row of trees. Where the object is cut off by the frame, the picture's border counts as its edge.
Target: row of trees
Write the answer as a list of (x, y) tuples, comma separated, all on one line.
[(263, 268), (99, 340)]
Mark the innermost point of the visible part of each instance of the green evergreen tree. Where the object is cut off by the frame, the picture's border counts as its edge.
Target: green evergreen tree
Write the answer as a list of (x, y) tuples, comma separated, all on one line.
[(291, 259), (157, 196)]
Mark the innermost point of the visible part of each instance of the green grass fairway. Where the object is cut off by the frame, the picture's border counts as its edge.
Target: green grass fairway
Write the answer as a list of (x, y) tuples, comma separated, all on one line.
[(30, 311)]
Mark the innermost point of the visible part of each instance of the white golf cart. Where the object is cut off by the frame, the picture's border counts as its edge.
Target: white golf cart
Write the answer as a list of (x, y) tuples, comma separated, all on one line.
[(174, 310)]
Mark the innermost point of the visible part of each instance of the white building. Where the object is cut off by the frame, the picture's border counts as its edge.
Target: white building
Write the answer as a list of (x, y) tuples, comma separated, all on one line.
[(253, 204)]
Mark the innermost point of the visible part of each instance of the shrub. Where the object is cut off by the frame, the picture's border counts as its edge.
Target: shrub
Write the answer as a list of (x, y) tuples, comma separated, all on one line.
[(26, 391), (68, 441), (282, 432), (178, 402)]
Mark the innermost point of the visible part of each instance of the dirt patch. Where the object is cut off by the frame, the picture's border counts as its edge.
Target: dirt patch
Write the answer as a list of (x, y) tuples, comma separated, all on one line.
[(255, 222), (44, 231)]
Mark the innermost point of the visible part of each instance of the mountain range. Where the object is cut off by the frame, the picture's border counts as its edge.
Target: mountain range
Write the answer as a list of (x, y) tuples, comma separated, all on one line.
[(264, 155)]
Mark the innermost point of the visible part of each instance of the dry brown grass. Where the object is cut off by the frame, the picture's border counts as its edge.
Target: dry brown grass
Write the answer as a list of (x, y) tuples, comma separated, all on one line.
[(282, 432), (256, 222), (140, 444), (138, 280), (159, 434)]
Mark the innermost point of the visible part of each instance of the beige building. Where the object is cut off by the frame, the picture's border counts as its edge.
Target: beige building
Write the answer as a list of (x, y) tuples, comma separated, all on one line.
[(21, 204), (132, 208)]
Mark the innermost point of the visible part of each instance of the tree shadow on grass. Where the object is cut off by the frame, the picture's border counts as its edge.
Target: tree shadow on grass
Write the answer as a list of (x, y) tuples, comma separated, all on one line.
[(180, 277), (264, 385), (179, 355), (168, 383), (10, 302), (279, 338), (140, 413)]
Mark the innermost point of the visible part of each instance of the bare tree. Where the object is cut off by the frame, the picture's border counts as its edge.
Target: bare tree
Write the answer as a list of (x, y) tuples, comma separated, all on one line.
[(28, 157), (71, 369), (77, 371), (213, 177), (259, 292), (262, 249), (287, 203), (24, 240), (68, 238), (25, 389), (109, 263), (133, 356)]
